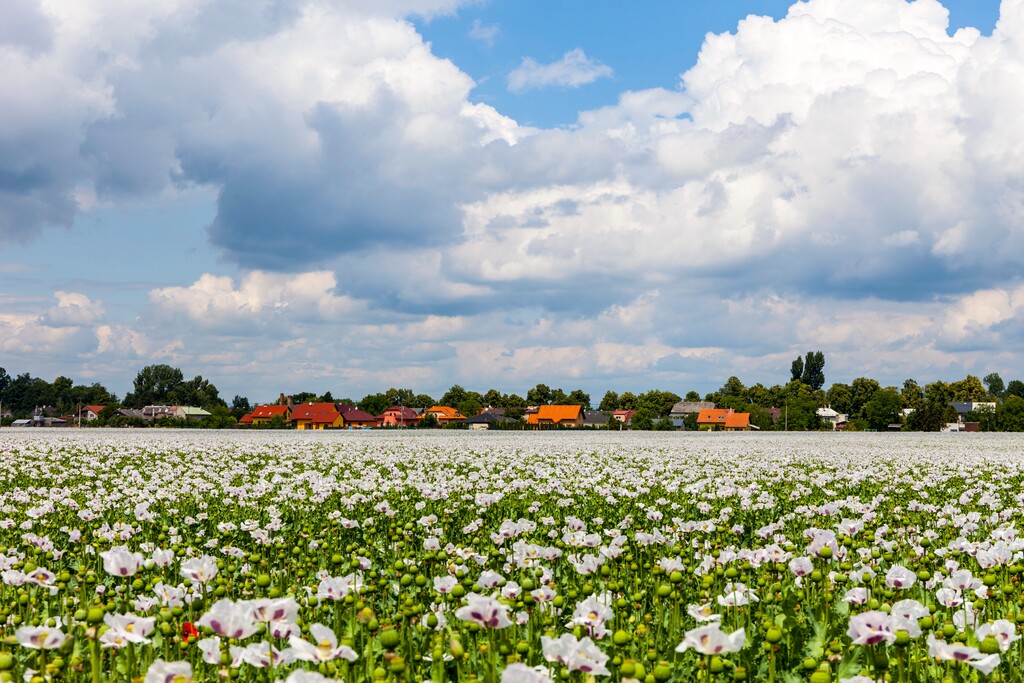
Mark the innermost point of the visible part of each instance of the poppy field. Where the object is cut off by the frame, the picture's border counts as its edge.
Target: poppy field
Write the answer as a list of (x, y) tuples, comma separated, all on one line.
[(427, 556)]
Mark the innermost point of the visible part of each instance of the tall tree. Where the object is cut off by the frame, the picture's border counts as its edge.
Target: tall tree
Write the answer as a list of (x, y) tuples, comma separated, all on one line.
[(375, 404), (969, 388), (1015, 388), (538, 396), (883, 409), (994, 384), (578, 397), (912, 394), (863, 390), (5, 381), (153, 386), (454, 396), (840, 397), (610, 401), (796, 369), (813, 374)]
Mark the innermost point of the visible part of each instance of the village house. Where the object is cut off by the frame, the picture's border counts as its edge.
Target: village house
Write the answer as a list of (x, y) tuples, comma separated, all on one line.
[(89, 413), (836, 419), (190, 413), (264, 414), (551, 417), (316, 416), (444, 414), (723, 419), (624, 416), (399, 416), (353, 418)]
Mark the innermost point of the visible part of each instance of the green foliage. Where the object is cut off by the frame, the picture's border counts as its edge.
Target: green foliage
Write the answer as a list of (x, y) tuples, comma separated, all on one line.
[(969, 388), (610, 401), (539, 395), (375, 404), (796, 369), (642, 420), (994, 384), (883, 409), (1010, 415), (1015, 388), (814, 370)]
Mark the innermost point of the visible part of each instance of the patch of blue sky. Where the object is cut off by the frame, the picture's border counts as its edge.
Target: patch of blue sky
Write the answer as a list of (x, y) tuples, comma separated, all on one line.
[(644, 44)]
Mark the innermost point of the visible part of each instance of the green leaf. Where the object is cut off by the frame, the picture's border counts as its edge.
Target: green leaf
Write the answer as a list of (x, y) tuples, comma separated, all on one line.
[(815, 647), (851, 664)]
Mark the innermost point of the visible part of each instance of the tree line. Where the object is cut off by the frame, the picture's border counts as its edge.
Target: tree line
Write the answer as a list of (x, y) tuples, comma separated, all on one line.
[(791, 406)]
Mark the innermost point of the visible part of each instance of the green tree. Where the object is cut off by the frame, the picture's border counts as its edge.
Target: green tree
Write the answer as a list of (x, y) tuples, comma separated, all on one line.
[(883, 409), (938, 393), (994, 384), (761, 395), (5, 381), (796, 369), (1010, 414), (153, 386), (494, 399), (375, 404), (578, 397), (195, 392), (470, 406), (627, 401), (538, 396), (610, 401), (642, 420), (515, 401), (692, 396), (1015, 388), (657, 402), (400, 397), (969, 388), (840, 397), (453, 396), (733, 387), (422, 401), (862, 390), (813, 374), (912, 394)]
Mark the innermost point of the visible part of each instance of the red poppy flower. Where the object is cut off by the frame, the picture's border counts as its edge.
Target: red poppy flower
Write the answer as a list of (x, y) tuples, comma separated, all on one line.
[(189, 632)]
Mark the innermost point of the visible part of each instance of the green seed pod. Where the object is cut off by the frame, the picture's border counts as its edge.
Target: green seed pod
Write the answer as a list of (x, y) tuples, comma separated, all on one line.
[(989, 645)]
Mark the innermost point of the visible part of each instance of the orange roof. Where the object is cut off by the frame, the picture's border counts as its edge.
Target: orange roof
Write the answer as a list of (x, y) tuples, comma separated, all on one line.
[(737, 421), (245, 419), (315, 412), (555, 414), (446, 413), (95, 409), (270, 411), (714, 415)]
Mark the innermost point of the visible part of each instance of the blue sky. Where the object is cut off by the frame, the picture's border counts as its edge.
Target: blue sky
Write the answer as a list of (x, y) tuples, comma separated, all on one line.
[(351, 195)]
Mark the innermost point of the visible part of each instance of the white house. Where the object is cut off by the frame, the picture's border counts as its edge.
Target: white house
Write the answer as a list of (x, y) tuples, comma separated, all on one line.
[(837, 420)]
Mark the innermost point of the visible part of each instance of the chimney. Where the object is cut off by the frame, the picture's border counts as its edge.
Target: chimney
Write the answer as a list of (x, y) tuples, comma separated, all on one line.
[(290, 406), (280, 400)]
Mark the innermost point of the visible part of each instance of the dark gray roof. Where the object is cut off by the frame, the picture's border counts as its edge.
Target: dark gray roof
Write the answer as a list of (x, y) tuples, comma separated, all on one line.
[(489, 418), (596, 417), (691, 407)]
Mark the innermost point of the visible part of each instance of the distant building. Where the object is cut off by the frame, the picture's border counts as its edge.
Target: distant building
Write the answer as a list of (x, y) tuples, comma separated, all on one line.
[(556, 416), (836, 419)]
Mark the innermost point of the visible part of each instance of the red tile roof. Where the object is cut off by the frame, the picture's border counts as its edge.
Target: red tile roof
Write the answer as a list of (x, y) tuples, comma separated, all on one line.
[(713, 415), (737, 420), (315, 412), (356, 415), (270, 411)]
